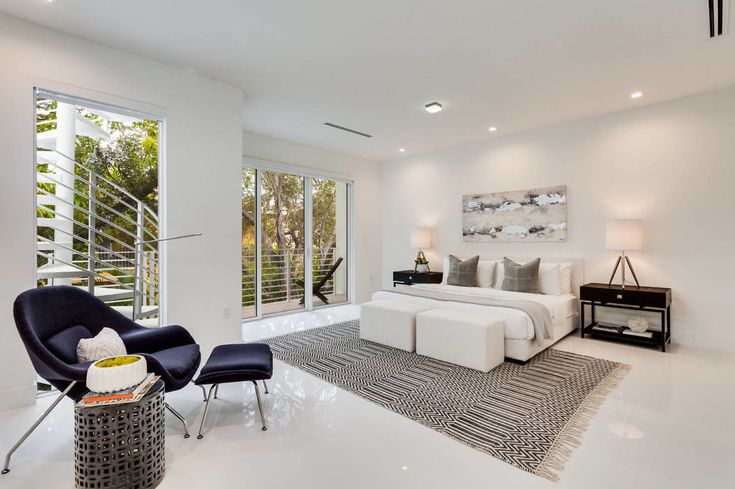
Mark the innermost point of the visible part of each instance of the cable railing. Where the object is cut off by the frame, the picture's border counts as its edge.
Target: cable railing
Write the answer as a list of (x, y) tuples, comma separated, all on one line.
[(100, 244), (281, 273)]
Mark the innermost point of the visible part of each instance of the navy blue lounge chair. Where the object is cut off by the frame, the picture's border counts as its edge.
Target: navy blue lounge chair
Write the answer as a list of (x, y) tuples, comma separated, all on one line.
[(52, 320)]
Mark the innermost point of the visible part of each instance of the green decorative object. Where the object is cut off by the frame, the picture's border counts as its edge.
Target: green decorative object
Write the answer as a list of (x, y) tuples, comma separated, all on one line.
[(116, 373)]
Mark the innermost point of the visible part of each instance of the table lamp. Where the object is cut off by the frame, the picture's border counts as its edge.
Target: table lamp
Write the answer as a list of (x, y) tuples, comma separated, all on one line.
[(421, 238), (624, 235)]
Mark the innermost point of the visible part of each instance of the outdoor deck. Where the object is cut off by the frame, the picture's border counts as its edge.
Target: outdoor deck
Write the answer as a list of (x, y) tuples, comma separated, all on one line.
[(291, 305)]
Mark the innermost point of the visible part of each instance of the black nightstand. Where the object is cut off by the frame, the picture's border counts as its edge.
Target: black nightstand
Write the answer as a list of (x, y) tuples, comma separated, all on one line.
[(655, 299), (409, 277)]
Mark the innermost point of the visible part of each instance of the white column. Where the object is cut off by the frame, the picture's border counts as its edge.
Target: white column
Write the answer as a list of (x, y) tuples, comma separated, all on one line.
[(65, 144)]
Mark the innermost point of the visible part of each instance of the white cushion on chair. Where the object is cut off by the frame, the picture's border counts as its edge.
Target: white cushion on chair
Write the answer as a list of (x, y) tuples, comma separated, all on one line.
[(107, 343), (465, 339), (391, 323)]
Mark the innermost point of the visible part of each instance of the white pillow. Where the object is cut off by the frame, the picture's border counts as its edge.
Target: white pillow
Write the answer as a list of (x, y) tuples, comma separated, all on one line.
[(565, 278), (106, 344), (549, 279), (445, 270), (485, 272), (499, 275)]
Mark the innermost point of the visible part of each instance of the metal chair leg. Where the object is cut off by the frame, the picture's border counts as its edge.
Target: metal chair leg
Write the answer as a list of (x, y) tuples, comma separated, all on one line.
[(206, 409), (216, 391), (6, 467), (204, 393), (265, 386), (260, 406), (180, 417)]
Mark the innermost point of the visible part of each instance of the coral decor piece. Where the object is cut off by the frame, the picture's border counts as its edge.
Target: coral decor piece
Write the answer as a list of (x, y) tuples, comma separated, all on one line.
[(638, 324)]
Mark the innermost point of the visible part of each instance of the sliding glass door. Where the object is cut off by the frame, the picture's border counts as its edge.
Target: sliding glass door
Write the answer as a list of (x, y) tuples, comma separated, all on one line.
[(282, 242), (329, 241), (249, 247), (295, 241)]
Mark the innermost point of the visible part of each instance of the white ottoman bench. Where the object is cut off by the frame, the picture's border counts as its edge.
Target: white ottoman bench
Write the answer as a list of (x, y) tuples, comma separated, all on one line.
[(390, 323), (465, 339)]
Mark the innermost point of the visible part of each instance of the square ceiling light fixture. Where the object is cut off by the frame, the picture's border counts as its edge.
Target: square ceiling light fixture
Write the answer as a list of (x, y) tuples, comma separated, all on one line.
[(433, 107)]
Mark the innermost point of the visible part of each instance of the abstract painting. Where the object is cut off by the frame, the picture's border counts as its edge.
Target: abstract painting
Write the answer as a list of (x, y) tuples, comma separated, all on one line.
[(524, 215)]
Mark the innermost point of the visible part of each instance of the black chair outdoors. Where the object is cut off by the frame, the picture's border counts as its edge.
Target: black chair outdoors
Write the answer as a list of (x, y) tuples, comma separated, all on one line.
[(317, 287), (51, 321)]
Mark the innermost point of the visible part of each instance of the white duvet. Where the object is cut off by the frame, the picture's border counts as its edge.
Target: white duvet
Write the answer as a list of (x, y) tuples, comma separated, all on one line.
[(518, 325)]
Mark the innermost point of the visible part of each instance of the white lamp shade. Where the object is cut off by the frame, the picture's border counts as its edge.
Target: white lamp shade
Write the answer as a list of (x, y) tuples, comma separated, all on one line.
[(421, 238), (624, 234)]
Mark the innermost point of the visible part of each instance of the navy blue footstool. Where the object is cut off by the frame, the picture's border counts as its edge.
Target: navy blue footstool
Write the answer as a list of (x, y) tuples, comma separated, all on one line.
[(236, 363)]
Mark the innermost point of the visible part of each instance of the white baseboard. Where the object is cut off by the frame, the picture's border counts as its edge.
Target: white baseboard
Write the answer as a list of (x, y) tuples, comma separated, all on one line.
[(693, 338), (18, 397)]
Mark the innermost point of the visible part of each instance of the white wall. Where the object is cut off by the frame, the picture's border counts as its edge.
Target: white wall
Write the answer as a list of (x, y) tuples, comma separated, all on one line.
[(672, 165), (202, 187), (365, 173)]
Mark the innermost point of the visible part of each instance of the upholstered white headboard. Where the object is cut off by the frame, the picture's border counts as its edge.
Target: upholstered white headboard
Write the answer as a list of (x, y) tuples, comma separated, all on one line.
[(576, 261)]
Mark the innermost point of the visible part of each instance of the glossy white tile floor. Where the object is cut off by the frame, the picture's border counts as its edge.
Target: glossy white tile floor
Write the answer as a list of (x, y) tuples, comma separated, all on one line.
[(675, 410)]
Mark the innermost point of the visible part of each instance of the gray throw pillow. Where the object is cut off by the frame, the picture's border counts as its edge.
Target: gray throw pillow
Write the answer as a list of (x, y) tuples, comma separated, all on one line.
[(463, 273), (521, 278)]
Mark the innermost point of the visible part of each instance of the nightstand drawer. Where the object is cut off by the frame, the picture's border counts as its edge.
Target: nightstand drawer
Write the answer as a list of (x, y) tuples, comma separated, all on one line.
[(409, 277), (634, 296)]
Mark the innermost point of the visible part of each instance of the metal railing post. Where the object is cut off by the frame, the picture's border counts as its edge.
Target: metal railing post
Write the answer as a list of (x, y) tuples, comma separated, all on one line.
[(91, 232), (287, 268), (146, 277), (137, 278)]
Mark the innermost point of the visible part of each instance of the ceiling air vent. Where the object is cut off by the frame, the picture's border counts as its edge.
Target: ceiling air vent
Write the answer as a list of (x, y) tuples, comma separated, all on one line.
[(719, 15), (353, 131)]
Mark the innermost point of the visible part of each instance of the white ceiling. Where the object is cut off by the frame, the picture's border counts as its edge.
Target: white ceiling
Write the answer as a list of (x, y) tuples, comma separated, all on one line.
[(372, 65)]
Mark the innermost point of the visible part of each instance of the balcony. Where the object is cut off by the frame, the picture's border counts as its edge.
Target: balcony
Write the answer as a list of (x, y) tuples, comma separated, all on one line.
[(282, 278)]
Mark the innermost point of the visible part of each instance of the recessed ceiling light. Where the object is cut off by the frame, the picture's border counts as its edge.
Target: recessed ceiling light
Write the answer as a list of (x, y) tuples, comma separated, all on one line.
[(492, 129), (433, 107), (636, 95), (402, 150)]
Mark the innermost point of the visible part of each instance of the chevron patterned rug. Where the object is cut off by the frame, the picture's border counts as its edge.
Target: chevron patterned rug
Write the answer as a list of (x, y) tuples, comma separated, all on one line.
[(530, 416)]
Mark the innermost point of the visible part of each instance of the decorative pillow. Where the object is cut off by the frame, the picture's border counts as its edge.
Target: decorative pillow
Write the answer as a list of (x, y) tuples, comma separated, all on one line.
[(547, 278), (521, 278), (486, 270), (106, 344), (463, 273)]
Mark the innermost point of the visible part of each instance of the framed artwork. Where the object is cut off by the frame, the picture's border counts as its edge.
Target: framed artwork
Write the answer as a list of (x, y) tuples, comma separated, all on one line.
[(538, 214)]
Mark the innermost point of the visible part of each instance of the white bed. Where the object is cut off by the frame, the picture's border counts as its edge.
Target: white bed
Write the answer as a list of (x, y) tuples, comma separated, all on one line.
[(520, 341)]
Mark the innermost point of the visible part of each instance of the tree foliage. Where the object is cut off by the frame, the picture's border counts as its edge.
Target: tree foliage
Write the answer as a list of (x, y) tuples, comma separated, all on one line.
[(129, 159)]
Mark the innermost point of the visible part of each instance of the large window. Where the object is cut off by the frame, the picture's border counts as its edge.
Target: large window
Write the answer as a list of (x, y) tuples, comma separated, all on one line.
[(295, 241), (97, 188)]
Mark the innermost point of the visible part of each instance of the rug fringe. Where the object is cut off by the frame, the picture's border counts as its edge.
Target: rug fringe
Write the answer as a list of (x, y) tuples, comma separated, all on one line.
[(570, 436)]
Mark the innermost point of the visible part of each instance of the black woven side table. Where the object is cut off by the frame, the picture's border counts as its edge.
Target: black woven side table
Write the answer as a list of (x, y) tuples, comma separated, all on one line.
[(121, 445)]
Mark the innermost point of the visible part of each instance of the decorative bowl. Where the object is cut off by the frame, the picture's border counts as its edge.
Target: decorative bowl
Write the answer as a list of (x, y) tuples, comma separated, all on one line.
[(116, 373)]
